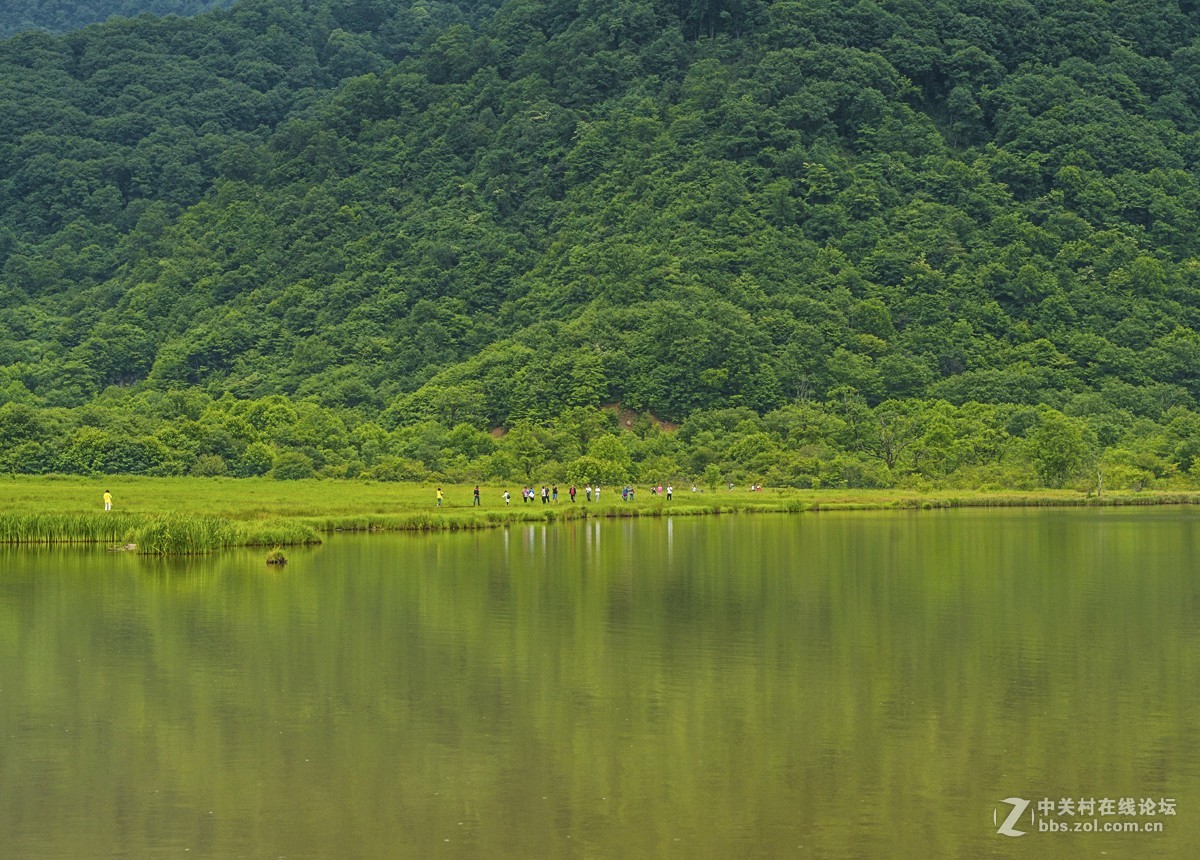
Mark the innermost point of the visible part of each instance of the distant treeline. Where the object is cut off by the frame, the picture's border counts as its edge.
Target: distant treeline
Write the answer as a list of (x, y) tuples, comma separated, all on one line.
[(843, 443), (834, 242), (57, 16)]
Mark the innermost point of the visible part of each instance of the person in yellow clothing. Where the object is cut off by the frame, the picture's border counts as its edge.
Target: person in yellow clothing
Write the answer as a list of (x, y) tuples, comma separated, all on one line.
[(107, 500), (439, 497)]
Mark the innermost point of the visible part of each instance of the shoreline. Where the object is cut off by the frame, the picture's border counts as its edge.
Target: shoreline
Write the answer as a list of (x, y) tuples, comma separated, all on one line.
[(181, 516)]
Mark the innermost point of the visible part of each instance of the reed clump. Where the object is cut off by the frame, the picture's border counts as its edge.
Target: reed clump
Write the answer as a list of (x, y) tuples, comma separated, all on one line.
[(52, 528), (182, 535), (276, 532), (170, 534), (190, 535)]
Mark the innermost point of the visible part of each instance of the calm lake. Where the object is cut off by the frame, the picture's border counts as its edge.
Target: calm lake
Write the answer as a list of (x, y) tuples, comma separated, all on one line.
[(825, 685)]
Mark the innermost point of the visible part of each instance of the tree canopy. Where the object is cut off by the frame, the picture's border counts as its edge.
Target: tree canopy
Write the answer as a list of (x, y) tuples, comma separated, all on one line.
[(888, 218), (19, 15)]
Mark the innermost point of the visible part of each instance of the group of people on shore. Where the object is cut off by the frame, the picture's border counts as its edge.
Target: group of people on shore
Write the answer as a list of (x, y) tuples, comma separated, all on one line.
[(549, 494), (628, 492)]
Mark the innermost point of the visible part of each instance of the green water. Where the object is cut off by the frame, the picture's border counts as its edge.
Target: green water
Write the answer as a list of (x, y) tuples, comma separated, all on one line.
[(857, 685)]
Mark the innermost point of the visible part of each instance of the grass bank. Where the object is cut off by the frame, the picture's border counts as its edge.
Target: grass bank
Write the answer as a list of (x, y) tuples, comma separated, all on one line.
[(196, 515)]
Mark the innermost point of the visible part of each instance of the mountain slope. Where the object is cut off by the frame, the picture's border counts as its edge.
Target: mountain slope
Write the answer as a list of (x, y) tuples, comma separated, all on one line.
[(488, 214)]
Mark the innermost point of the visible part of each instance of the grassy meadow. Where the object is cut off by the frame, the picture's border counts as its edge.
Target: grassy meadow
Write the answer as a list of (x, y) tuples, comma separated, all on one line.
[(193, 515)]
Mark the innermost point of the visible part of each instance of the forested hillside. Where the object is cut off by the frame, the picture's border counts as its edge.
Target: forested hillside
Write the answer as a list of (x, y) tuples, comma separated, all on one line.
[(838, 244), (56, 16)]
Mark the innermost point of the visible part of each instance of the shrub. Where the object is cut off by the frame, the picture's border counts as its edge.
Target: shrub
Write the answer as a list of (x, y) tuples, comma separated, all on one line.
[(292, 466), (209, 466), (396, 469)]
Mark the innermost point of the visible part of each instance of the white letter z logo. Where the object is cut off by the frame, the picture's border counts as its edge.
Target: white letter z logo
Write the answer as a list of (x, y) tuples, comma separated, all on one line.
[(1018, 809)]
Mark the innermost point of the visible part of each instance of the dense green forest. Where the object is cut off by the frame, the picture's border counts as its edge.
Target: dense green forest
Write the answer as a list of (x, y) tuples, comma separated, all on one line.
[(57, 16), (804, 242)]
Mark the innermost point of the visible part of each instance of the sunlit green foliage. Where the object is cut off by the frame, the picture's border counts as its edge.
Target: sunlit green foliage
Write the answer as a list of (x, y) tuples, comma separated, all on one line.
[(837, 245)]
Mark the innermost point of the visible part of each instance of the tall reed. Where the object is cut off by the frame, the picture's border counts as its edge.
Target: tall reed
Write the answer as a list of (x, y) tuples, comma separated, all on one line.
[(181, 535), (276, 532), (43, 528), (189, 535), (171, 534)]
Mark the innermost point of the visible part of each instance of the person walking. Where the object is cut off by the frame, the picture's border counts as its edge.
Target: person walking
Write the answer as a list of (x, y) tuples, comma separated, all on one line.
[(596, 492), (507, 498), (545, 495), (107, 500), (439, 497), (554, 494), (475, 497), (670, 490), (587, 491), (571, 493)]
